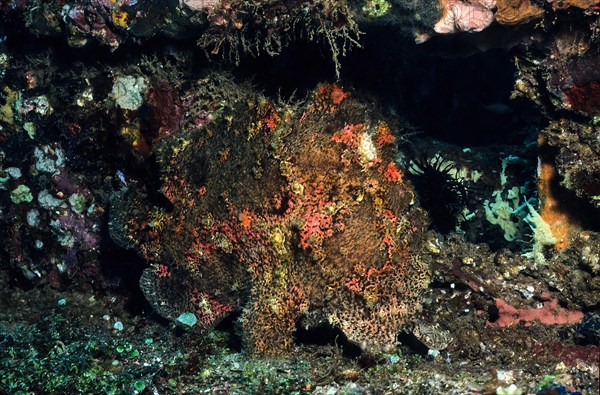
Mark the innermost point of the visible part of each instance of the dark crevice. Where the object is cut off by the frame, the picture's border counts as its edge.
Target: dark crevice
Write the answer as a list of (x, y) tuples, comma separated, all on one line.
[(228, 326), (326, 335)]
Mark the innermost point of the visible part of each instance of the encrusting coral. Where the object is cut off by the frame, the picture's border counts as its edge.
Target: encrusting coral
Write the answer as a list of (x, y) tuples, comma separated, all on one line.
[(283, 212), (459, 16)]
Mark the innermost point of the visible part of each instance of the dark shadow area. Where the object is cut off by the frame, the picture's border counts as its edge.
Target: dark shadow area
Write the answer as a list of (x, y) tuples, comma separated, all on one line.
[(325, 334), (448, 88), (151, 175), (20, 40), (297, 70), (228, 325), (409, 341), (493, 313), (122, 270), (588, 331), (458, 101)]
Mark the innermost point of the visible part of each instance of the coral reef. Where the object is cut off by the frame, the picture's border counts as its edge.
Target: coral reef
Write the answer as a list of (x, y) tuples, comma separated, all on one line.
[(567, 59), (253, 27), (266, 219), (229, 29), (577, 159), (237, 28), (168, 226), (561, 79), (55, 223)]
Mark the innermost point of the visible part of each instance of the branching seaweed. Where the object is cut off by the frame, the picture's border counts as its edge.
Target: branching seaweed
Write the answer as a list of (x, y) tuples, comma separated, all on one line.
[(255, 27)]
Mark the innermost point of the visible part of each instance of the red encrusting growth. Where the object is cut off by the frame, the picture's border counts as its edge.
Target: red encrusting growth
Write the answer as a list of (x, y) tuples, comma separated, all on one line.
[(584, 98), (208, 310), (163, 271), (166, 112), (333, 92), (349, 135), (549, 314), (392, 174), (384, 135)]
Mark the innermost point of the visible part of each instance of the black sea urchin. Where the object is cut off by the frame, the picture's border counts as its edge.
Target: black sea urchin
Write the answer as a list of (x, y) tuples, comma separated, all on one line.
[(441, 191)]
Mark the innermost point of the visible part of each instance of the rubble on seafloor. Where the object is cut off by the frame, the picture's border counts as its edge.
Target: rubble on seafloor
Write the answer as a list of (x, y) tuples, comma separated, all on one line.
[(309, 197)]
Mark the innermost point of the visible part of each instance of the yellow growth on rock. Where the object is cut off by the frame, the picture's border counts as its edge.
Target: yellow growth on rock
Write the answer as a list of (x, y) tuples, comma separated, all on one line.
[(515, 12)]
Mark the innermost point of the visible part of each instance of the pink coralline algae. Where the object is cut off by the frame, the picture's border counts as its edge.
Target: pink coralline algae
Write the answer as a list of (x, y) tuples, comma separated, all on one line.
[(549, 314), (465, 16), (200, 5)]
